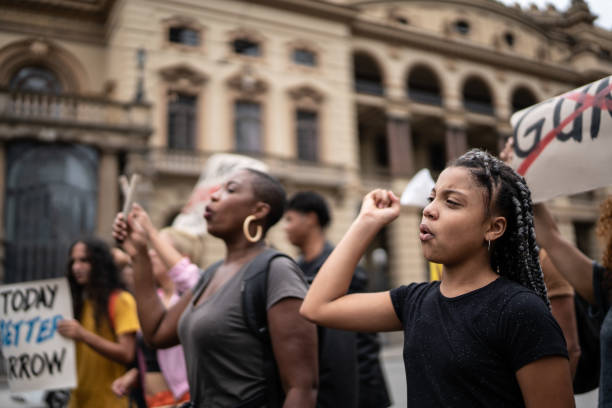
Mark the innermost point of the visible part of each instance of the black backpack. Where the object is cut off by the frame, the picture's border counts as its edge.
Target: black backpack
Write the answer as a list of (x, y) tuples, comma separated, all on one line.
[(589, 325), (254, 291)]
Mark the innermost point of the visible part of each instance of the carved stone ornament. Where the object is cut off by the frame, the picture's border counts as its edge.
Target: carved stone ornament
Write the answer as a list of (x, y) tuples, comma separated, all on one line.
[(39, 48), (184, 75), (247, 82), (306, 92)]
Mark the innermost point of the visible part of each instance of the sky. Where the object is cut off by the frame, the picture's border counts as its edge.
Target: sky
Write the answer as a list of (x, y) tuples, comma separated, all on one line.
[(601, 8)]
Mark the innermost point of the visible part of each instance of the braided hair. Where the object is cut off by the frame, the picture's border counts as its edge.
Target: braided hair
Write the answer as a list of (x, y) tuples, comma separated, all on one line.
[(514, 255)]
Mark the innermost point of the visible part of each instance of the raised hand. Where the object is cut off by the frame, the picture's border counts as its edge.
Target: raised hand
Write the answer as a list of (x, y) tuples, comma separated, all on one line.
[(142, 218), (507, 154), (131, 234), (382, 206)]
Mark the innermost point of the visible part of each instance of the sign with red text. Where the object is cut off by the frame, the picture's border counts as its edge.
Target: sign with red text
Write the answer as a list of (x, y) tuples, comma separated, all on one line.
[(37, 357), (563, 145)]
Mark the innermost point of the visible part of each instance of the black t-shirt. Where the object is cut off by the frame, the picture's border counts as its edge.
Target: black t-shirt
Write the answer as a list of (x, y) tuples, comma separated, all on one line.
[(465, 351), (338, 371)]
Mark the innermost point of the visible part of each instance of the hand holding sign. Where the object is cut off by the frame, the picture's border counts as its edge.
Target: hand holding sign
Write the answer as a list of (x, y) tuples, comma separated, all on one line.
[(71, 329), (131, 234)]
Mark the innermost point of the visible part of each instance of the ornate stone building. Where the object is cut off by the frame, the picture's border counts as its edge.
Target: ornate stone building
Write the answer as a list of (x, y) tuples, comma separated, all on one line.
[(337, 96)]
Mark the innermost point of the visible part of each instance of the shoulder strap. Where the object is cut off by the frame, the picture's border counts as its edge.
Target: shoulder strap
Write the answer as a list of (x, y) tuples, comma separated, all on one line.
[(254, 292)]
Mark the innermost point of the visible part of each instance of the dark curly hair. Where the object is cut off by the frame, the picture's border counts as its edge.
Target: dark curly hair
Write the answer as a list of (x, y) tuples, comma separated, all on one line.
[(514, 255), (604, 232), (104, 278)]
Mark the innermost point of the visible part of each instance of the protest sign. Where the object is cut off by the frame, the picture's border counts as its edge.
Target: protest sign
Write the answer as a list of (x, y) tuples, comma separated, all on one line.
[(563, 145), (37, 356), (417, 190), (191, 219)]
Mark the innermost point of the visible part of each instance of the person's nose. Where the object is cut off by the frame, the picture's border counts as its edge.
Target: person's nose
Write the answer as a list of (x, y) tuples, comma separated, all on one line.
[(214, 195), (430, 211)]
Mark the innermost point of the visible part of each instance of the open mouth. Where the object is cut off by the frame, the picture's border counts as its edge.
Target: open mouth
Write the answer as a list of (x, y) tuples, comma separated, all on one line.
[(425, 233), (208, 213)]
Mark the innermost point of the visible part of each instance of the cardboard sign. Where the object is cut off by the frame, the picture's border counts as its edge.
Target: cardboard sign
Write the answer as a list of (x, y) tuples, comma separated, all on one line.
[(37, 356), (564, 145)]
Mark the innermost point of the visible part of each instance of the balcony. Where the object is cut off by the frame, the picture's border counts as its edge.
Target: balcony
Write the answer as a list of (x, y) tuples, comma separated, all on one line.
[(482, 108), (368, 87), (40, 114), (296, 172), (426, 97)]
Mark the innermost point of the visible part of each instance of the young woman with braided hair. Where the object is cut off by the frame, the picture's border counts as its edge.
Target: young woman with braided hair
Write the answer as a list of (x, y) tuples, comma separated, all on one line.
[(483, 336)]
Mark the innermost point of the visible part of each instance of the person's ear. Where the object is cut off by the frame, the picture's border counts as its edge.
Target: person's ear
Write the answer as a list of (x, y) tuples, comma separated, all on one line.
[(312, 219), (261, 210), (497, 227)]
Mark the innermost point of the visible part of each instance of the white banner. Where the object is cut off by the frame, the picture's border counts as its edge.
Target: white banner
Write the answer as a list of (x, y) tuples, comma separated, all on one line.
[(37, 356), (563, 145), (418, 189)]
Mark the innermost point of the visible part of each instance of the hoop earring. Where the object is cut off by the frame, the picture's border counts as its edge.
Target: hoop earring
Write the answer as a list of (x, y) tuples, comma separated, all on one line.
[(245, 229), (489, 246)]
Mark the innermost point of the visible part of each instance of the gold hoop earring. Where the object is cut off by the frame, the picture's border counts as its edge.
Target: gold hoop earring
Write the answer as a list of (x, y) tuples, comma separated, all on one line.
[(247, 233)]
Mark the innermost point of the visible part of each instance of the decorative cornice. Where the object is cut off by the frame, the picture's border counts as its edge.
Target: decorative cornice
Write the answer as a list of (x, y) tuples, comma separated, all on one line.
[(306, 92), (465, 51), (247, 82), (315, 8), (183, 72), (91, 9)]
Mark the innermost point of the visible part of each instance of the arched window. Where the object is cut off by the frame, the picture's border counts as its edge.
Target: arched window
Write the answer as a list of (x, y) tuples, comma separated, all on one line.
[(522, 98), (423, 86), (35, 78), (477, 96), (368, 78), (51, 200)]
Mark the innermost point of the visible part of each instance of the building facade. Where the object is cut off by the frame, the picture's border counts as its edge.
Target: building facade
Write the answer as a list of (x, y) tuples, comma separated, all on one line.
[(335, 96)]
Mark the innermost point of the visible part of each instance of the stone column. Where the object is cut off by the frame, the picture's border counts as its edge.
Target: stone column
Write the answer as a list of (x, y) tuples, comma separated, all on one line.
[(399, 144), (456, 141), (108, 190)]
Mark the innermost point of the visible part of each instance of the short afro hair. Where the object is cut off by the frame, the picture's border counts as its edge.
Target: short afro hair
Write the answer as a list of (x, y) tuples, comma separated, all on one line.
[(309, 201)]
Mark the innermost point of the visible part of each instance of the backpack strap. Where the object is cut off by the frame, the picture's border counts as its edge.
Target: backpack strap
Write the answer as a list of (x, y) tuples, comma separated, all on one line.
[(254, 291)]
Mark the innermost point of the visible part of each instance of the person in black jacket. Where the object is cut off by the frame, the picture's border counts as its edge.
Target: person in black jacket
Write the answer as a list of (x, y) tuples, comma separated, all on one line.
[(350, 373)]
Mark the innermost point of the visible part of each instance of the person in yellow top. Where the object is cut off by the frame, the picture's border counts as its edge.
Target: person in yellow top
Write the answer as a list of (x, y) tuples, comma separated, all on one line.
[(104, 327)]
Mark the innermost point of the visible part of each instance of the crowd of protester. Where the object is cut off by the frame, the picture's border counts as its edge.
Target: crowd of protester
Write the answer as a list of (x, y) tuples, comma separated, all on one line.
[(260, 329)]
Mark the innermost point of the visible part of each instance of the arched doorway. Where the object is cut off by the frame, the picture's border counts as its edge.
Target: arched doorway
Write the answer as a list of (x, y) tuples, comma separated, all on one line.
[(51, 200)]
